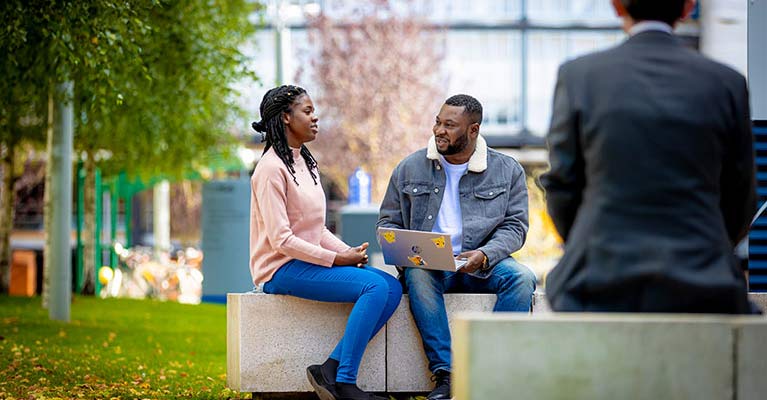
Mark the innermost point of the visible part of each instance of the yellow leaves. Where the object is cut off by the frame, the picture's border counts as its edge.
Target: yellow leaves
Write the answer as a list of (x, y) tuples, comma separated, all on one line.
[(106, 357), (19, 351)]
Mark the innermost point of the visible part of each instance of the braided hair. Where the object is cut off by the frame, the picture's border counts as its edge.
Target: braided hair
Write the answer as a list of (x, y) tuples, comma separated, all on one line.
[(276, 102)]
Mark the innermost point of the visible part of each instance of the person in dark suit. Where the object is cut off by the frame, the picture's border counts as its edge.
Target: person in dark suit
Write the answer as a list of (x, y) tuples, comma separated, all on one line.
[(652, 174)]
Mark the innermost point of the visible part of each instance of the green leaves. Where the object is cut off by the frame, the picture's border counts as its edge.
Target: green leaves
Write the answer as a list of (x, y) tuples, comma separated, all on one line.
[(174, 107), (152, 79)]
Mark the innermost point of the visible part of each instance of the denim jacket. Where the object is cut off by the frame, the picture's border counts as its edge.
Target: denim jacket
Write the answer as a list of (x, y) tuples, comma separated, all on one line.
[(493, 195)]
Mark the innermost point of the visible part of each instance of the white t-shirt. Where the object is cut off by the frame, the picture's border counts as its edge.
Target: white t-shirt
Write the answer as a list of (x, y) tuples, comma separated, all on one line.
[(449, 217)]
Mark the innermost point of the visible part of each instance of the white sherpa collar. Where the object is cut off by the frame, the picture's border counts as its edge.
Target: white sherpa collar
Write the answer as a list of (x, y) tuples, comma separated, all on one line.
[(477, 162)]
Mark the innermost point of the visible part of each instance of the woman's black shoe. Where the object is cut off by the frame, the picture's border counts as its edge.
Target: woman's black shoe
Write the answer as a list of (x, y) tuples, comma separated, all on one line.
[(330, 370), (324, 389), (350, 391)]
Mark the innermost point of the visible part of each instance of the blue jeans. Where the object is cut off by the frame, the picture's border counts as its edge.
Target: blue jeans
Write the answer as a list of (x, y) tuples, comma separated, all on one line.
[(511, 281), (375, 295)]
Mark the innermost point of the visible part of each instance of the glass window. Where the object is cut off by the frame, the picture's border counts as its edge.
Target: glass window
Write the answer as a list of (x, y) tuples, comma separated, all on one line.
[(579, 12), (261, 49), (487, 65), (487, 12), (483, 53), (546, 51)]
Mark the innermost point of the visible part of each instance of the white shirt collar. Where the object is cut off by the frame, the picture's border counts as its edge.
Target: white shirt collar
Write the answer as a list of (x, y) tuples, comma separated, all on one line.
[(644, 26)]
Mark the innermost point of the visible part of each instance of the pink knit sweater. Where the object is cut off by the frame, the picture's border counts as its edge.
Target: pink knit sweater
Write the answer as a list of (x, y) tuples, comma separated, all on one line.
[(287, 221)]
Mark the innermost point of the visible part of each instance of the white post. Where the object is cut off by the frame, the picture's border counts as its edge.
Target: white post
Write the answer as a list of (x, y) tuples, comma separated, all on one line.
[(61, 208), (281, 43), (161, 221), (724, 31), (757, 58)]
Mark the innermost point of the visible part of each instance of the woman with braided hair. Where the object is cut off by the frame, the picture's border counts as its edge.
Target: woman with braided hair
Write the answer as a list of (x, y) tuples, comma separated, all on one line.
[(293, 253)]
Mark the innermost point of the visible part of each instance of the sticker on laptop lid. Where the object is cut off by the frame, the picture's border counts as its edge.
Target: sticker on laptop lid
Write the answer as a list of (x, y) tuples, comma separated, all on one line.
[(389, 236), (417, 260), (439, 242)]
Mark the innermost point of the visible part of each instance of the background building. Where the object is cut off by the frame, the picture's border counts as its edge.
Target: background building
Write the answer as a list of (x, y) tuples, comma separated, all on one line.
[(504, 52)]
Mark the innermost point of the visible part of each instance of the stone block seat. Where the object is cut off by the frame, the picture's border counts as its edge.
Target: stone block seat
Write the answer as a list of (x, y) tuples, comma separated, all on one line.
[(609, 356), (271, 339)]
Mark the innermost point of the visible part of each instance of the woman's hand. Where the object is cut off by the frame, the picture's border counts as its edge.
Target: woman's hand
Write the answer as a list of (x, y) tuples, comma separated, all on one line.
[(354, 256)]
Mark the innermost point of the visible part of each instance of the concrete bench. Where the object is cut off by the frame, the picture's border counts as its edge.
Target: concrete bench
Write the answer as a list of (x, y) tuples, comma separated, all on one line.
[(271, 339), (609, 356)]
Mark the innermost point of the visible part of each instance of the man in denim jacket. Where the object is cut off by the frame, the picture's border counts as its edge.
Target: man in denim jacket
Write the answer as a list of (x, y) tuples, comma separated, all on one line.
[(459, 186)]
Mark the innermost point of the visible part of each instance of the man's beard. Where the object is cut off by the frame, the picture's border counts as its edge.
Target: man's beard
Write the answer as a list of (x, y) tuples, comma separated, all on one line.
[(457, 147)]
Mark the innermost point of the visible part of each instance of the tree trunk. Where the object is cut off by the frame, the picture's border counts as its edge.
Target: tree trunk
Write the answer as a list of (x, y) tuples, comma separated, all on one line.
[(47, 205), (8, 200), (89, 225)]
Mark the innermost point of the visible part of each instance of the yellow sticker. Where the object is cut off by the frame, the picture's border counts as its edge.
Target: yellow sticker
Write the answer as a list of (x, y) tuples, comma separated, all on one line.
[(439, 242), (417, 260), (390, 237)]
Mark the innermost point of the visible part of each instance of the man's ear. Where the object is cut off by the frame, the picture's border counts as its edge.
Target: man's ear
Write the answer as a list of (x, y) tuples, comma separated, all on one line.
[(474, 130), (620, 9)]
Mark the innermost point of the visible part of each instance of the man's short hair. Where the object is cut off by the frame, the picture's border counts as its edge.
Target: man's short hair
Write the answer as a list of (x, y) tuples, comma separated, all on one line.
[(472, 107), (668, 11)]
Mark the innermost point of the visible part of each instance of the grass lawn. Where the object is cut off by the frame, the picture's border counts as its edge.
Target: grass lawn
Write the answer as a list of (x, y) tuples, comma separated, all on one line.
[(113, 348)]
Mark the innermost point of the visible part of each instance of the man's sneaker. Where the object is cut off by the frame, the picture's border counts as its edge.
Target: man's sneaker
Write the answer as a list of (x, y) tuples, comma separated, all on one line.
[(324, 389), (441, 386)]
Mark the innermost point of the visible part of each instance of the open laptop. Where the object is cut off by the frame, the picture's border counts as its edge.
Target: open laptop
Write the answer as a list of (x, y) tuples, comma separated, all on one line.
[(429, 250)]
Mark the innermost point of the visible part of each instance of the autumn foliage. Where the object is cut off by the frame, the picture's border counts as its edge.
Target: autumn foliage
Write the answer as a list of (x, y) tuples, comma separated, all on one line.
[(379, 87)]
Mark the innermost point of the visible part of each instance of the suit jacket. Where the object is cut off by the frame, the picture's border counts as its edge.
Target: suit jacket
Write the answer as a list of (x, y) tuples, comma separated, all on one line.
[(652, 180)]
